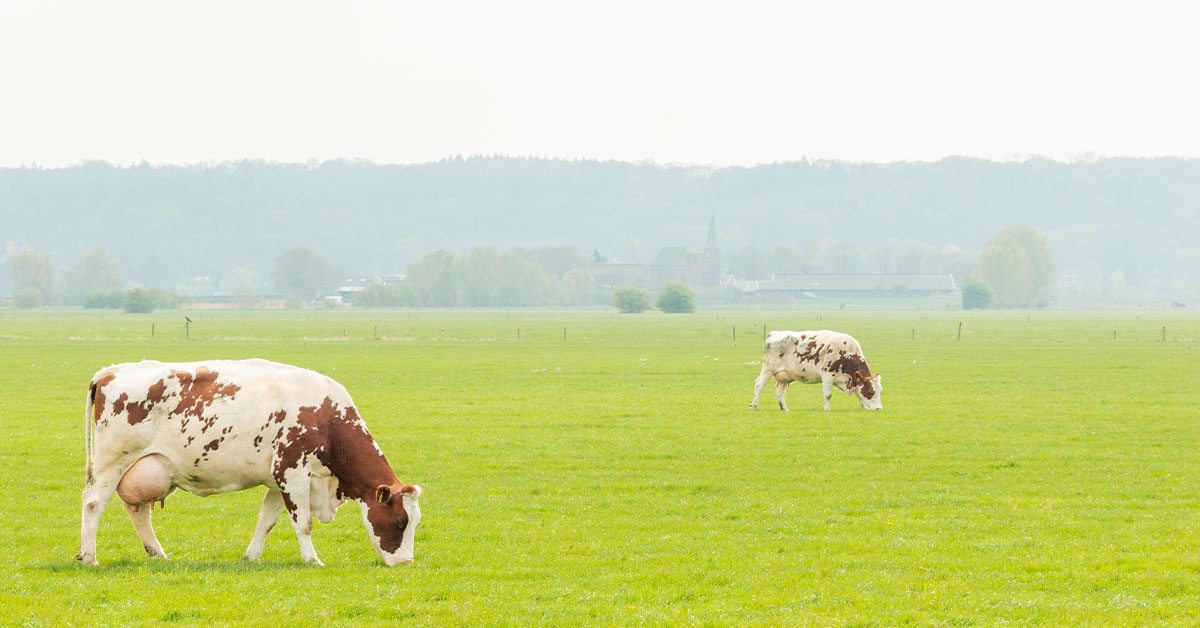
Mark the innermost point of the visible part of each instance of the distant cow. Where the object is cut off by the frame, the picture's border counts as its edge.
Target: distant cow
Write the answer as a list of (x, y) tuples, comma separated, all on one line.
[(222, 426), (829, 357)]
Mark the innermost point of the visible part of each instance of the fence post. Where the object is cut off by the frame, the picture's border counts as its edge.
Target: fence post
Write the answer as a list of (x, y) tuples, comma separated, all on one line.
[(960, 330)]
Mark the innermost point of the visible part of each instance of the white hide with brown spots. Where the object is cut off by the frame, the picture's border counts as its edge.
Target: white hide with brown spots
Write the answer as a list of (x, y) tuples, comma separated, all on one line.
[(222, 426), (832, 358)]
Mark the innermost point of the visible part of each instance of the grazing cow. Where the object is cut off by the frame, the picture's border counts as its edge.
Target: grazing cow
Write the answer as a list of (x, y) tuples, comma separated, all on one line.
[(222, 426), (829, 357)]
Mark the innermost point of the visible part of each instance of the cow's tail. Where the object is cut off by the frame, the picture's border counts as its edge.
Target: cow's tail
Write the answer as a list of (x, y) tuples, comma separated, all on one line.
[(87, 429)]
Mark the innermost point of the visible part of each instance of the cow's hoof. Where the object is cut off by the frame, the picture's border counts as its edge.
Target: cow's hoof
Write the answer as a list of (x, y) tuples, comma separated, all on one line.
[(90, 561)]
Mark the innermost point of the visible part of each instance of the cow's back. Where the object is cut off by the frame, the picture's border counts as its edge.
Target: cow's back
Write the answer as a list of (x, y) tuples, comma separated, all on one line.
[(804, 354), (218, 423)]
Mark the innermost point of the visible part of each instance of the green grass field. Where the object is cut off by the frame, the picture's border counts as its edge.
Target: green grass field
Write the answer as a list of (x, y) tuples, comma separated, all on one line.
[(1035, 472)]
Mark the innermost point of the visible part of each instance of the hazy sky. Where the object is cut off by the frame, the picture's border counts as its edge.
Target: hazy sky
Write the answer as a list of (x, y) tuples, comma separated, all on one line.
[(697, 82)]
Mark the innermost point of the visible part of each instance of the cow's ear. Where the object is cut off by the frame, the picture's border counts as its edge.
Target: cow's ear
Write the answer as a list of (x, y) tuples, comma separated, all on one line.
[(384, 494), (411, 491)]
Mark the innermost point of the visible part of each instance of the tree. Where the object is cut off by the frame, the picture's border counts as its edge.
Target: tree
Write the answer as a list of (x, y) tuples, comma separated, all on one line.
[(750, 263), (631, 300), (92, 271), (676, 298), (138, 301), (843, 256), (30, 270), (1018, 265), (976, 295), (433, 279), (302, 273), (576, 287)]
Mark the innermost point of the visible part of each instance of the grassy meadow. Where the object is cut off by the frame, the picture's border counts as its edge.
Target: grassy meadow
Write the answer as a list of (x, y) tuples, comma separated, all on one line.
[(1037, 471)]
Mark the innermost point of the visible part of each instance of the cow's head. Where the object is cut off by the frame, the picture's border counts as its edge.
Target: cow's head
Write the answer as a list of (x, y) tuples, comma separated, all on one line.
[(869, 390), (391, 519)]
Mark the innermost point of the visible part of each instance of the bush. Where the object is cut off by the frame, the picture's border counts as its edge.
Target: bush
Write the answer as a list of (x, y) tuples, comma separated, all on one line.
[(28, 298), (103, 299), (138, 301), (676, 298), (976, 294), (631, 300)]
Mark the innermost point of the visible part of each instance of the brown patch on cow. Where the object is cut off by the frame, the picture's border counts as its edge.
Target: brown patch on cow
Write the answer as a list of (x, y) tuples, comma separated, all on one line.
[(119, 404), (812, 352), (257, 440), (98, 396), (199, 390), (138, 411), (212, 445), (157, 391), (278, 416), (189, 441)]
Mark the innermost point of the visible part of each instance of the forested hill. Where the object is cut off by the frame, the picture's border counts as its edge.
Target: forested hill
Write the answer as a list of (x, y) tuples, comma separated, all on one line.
[(163, 223)]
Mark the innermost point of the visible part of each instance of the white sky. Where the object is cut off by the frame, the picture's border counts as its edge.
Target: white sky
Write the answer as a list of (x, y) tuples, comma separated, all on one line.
[(722, 83)]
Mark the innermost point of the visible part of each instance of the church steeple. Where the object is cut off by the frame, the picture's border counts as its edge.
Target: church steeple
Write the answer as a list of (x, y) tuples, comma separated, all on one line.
[(712, 233)]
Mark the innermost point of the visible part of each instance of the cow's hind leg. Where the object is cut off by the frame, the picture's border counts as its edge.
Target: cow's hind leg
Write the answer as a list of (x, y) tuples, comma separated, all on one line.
[(758, 386), (140, 515), (271, 507), (827, 389), (781, 393), (96, 496)]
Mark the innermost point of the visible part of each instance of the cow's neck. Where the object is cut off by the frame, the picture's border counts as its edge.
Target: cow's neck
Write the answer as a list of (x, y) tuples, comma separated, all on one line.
[(356, 462)]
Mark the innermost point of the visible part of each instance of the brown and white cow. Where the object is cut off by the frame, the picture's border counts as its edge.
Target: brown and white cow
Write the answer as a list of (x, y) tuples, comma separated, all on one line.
[(829, 357), (222, 426)]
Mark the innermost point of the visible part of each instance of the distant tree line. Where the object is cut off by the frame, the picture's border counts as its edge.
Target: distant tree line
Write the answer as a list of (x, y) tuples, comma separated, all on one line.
[(1120, 227)]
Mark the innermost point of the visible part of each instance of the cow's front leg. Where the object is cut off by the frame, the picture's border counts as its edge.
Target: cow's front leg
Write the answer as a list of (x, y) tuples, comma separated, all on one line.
[(271, 507), (295, 497), (781, 393), (827, 389), (758, 386), (140, 515), (96, 496)]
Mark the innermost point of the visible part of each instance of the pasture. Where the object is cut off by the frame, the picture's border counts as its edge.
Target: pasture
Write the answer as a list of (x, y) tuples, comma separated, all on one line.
[(1037, 471)]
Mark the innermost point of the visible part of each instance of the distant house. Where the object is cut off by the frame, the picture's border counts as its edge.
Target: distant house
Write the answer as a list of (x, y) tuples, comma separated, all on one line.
[(808, 285)]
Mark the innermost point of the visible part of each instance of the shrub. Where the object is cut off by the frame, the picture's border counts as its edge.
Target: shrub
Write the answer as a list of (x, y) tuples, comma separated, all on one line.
[(380, 295), (28, 298), (976, 295), (138, 301), (103, 299), (676, 298), (631, 300)]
